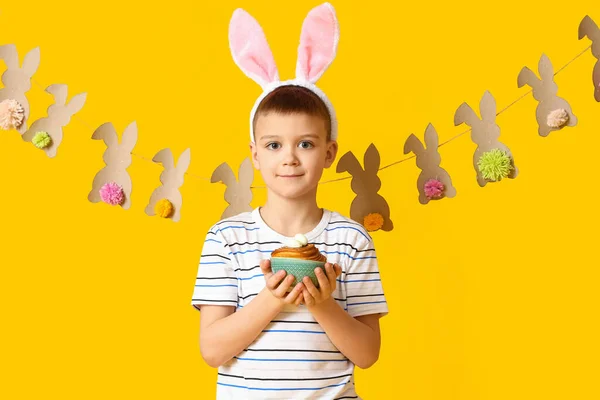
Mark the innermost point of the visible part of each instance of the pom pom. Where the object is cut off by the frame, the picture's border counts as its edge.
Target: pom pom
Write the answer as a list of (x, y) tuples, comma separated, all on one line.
[(112, 194), (433, 188), (373, 222), (557, 118), (494, 165), (41, 140), (11, 114), (163, 208)]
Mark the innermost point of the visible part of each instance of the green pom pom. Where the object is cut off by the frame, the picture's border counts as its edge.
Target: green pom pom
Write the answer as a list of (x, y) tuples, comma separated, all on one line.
[(41, 140), (494, 165)]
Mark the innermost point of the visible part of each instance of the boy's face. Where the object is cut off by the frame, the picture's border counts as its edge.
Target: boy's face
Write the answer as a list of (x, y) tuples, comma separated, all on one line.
[(291, 152)]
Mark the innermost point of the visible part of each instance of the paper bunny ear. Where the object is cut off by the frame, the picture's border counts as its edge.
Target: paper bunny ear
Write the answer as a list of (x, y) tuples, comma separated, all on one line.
[(60, 93), (246, 173), (250, 49), (487, 107), (372, 159), (318, 43), (546, 69), (431, 138)]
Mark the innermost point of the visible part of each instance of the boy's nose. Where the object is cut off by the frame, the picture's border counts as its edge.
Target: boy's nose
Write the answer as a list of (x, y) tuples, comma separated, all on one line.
[(291, 161), (290, 158)]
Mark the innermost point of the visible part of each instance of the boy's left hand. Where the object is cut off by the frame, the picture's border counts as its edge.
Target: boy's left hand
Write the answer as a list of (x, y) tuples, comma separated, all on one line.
[(312, 295)]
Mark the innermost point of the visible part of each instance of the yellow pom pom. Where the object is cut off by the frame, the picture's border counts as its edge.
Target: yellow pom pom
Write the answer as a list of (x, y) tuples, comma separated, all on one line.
[(373, 222), (163, 208)]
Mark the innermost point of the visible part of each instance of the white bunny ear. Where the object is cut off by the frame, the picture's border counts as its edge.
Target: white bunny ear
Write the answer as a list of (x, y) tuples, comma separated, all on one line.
[(250, 49), (318, 43)]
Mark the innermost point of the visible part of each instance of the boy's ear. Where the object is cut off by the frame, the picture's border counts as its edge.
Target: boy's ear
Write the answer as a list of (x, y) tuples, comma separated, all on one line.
[(254, 153), (332, 149)]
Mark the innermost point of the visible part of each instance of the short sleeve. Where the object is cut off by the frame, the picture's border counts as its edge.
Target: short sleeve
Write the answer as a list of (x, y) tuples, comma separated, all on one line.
[(216, 281), (364, 288)]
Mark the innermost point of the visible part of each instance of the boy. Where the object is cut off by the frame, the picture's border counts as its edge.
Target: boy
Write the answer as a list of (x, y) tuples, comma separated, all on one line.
[(267, 339)]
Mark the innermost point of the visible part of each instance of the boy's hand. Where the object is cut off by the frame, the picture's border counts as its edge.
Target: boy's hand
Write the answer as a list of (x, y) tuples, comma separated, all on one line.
[(278, 284), (327, 284)]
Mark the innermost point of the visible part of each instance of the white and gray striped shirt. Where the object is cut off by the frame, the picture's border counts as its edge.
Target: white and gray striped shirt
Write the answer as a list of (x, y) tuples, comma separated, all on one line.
[(292, 358)]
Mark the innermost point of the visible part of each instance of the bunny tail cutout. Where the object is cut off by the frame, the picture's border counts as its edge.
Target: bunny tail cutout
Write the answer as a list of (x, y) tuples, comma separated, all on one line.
[(317, 49)]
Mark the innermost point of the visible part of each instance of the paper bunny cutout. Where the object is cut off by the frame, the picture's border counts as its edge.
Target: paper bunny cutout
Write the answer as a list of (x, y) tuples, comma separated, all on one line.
[(238, 194), (59, 115), (117, 158), (545, 90), (172, 179), (366, 184), (428, 160), (588, 28), (17, 79), (317, 50), (484, 132)]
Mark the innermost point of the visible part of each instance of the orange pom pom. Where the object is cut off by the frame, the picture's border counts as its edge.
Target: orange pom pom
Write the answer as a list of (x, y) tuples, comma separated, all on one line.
[(373, 222)]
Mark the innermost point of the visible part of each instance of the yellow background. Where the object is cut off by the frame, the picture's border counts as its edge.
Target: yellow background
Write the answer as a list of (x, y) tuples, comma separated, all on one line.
[(493, 294)]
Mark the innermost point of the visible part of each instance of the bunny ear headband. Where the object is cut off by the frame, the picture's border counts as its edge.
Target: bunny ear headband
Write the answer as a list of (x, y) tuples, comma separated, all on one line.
[(318, 45)]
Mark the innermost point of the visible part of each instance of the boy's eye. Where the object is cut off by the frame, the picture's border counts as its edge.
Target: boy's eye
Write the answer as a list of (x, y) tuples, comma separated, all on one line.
[(306, 145), (273, 146)]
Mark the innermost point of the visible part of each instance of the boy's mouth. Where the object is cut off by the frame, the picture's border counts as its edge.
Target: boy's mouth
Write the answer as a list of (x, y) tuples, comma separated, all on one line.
[(290, 176)]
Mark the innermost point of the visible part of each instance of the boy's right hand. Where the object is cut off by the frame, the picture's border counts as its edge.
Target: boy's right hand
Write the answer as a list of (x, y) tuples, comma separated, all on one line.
[(278, 284)]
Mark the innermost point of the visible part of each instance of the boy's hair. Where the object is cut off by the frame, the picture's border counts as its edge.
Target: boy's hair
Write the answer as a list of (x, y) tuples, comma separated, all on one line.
[(294, 99)]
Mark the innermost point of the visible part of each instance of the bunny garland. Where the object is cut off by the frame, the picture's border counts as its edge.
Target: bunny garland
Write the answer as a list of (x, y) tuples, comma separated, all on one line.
[(167, 196), (553, 112), (17, 82), (433, 181), (117, 157), (318, 46), (59, 115), (366, 184), (238, 194), (317, 49)]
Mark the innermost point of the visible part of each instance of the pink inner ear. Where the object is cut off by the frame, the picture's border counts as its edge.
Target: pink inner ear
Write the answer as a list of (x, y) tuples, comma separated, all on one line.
[(250, 49), (318, 43)]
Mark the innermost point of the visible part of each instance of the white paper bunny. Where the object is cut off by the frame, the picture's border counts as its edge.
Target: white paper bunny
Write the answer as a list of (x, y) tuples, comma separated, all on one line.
[(485, 132), (238, 193), (545, 90), (589, 28), (17, 79), (172, 179), (428, 159), (117, 157), (59, 115)]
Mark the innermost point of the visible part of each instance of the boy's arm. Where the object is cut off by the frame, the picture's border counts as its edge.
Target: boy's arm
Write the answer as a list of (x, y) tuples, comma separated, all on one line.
[(225, 333), (355, 331), (358, 338)]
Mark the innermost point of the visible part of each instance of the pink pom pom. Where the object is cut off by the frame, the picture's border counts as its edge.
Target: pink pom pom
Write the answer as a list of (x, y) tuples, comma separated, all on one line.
[(433, 188), (112, 194)]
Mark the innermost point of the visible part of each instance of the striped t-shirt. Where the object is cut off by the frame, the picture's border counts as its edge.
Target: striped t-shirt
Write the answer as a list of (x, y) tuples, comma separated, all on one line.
[(292, 358)]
